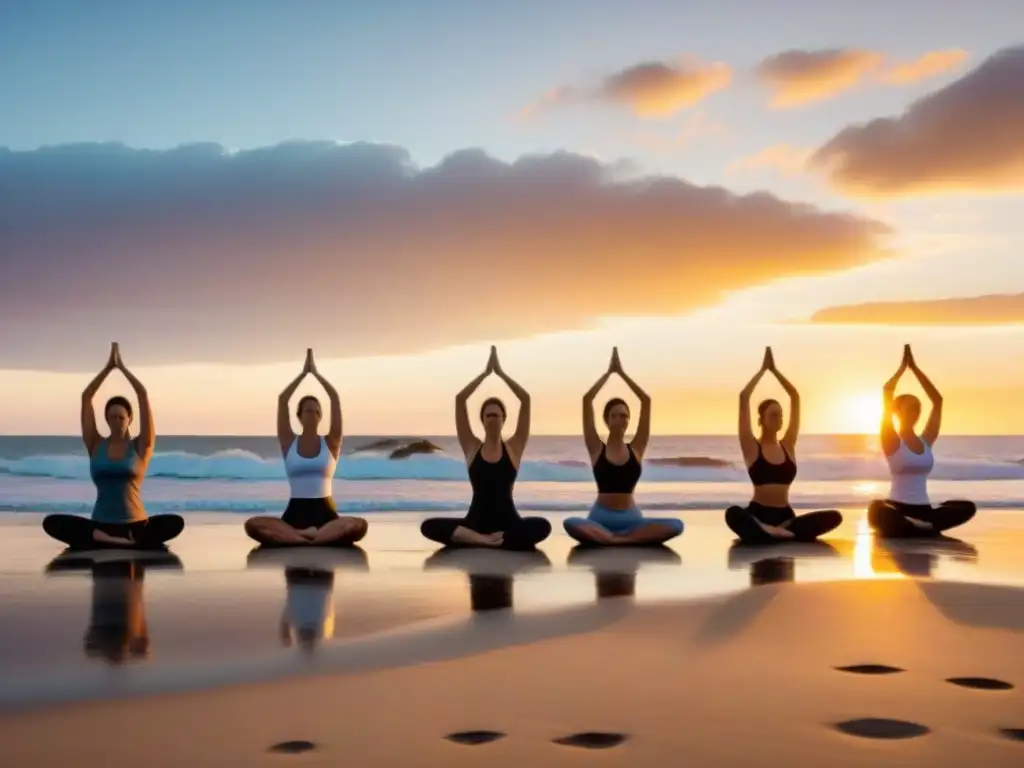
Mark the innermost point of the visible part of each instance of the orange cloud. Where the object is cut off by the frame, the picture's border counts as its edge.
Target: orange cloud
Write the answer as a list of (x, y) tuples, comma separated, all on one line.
[(993, 309), (197, 255), (783, 157), (798, 77), (924, 67), (968, 135), (801, 77), (649, 90)]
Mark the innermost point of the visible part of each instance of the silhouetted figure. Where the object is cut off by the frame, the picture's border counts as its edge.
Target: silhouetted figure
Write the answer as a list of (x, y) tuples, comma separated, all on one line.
[(908, 512)]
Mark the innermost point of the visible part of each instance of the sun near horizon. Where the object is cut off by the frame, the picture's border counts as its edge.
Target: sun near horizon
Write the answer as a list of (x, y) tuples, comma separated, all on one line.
[(690, 200)]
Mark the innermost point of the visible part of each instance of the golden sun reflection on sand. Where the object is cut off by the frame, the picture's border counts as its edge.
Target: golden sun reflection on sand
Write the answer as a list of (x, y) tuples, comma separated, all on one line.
[(870, 562)]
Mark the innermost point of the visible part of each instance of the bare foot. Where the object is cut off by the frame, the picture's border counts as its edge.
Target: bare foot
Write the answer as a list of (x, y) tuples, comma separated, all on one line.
[(777, 532), (599, 535), (921, 524), (106, 538), (494, 539), (308, 533)]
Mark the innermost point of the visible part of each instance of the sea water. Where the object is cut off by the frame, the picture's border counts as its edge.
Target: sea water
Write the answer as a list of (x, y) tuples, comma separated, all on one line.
[(246, 474)]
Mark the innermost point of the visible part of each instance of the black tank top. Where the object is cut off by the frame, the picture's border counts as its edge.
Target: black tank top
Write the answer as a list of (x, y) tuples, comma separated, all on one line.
[(763, 472), (492, 505), (617, 478)]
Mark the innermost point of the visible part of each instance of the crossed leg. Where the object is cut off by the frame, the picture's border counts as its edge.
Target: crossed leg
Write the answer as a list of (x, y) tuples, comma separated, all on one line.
[(275, 532), (900, 521)]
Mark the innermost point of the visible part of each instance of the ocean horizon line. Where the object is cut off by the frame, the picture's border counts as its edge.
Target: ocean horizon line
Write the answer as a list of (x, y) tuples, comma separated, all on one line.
[(452, 436)]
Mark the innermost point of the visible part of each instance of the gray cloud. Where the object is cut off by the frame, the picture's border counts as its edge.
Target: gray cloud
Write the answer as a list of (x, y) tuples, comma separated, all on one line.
[(968, 135), (197, 255)]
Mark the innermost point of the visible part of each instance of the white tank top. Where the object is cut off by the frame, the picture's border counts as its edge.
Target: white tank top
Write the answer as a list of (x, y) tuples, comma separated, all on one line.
[(310, 607), (910, 472), (310, 478)]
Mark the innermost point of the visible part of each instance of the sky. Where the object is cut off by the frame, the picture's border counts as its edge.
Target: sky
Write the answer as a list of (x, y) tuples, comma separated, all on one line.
[(219, 185)]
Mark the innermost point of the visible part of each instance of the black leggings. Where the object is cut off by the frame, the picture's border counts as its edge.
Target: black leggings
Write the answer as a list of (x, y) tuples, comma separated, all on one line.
[(309, 513), (77, 531), (889, 518), (522, 534), (807, 527)]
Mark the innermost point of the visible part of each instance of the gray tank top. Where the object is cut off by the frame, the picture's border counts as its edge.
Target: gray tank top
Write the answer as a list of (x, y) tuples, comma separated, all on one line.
[(118, 483)]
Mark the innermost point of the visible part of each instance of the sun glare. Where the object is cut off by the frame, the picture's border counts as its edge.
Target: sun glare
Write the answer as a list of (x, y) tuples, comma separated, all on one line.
[(861, 413)]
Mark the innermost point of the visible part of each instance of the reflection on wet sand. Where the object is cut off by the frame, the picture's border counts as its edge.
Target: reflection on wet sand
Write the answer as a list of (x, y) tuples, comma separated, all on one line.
[(776, 563), (918, 557), (615, 568), (491, 573), (117, 631), (308, 616), (869, 556)]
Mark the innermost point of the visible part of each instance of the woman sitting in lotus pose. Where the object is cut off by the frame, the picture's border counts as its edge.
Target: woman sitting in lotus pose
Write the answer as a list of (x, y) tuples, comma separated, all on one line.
[(309, 461), (908, 511), (492, 519), (771, 465), (117, 465), (617, 465)]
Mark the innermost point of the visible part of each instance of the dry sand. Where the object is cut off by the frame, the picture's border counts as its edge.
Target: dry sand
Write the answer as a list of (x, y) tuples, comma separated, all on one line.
[(746, 680)]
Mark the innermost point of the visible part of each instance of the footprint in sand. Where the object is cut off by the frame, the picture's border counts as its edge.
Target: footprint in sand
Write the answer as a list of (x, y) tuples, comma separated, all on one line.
[(882, 728), (980, 683), (472, 738), (871, 669), (592, 740), (293, 747), (1017, 734)]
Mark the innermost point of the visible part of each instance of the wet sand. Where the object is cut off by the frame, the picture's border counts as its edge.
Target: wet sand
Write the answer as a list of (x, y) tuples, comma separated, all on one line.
[(720, 654), (751, 679)]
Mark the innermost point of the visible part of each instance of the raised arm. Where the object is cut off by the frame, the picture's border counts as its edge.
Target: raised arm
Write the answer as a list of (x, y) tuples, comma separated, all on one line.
[(285, 435), (334, 433), (793, 429), (90, 435), (890, 440), (147, 431), (468, 441), (934, 424), (748, 443), (642, 435), (590, 436), (522, 434)]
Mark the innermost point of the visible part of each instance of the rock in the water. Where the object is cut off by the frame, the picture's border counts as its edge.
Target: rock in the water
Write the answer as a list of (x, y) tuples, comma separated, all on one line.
[(416, 446), (387, 444), (690, 461)]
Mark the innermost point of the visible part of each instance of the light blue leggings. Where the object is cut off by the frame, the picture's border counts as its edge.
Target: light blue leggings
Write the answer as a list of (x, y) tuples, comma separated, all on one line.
[(621, 521)]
